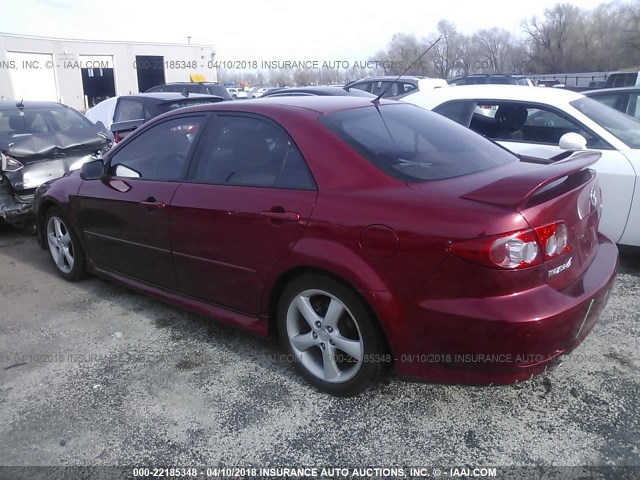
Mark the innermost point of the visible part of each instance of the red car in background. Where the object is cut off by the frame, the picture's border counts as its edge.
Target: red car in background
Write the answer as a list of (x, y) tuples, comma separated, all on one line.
[(362, 232)]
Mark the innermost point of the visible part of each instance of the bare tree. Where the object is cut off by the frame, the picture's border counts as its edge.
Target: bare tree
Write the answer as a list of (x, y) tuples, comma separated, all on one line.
[(494, 48), (448, 52)]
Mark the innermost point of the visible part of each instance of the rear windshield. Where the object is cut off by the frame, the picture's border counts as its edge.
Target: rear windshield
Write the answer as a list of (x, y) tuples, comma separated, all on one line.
[(413, 144), (618, 124), (31, 121)]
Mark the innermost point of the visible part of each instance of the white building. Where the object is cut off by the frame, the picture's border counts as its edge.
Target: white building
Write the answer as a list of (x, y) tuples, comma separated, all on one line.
[(80, 72)]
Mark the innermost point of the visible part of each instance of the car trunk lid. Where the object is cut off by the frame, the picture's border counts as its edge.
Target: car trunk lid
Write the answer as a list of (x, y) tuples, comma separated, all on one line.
[(563, 192)]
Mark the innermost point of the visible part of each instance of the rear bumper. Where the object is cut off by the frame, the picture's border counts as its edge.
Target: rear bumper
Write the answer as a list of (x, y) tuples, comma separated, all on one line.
[(503, 339)]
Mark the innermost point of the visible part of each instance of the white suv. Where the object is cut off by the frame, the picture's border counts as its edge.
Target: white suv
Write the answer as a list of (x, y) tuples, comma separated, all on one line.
[(396, 87), (237, 93)]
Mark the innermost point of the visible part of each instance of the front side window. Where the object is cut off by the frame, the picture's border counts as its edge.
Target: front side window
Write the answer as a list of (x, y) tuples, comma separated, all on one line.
[(246, 151), (531, 123), (159, 153), (413, 144)]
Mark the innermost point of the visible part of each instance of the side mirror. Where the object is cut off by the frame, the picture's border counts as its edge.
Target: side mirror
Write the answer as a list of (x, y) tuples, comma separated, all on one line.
[(572, 141), (93, 170)]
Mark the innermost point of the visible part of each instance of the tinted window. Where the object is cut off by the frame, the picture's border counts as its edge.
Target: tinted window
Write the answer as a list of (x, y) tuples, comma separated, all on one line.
[(128, 109), (390, 89), (160, 153), (503, 81), (622, 126), (366, 86), (622, 79), (245, 151), (414, 144)]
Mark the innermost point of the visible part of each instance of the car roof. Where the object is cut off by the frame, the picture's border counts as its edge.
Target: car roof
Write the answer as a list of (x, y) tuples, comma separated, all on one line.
[(187, 83), (394, 77), (612, 90), (168, 96), (319, 90), (504, 92), (320, 104), (11, 104)]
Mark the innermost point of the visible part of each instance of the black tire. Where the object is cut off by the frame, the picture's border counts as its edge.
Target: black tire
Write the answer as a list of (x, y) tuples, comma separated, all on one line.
[(361, 374), (78, 270)]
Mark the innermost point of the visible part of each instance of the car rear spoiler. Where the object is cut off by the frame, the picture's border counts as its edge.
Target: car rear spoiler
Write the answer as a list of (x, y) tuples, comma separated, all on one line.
[(515, 191), (126, 125)]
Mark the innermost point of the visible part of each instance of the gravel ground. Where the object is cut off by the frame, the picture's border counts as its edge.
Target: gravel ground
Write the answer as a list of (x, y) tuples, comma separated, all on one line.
[(93, 374)]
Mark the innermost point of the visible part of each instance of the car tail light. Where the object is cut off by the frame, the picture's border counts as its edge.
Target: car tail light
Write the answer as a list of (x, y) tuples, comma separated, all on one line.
[(510, 251), (554, 239), (521, 249), (116, 137)]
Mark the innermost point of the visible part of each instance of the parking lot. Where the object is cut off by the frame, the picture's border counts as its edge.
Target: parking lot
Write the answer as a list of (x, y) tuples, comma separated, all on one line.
[(93, 374)]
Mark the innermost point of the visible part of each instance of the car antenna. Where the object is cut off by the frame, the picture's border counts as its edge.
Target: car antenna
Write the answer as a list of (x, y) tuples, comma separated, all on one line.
[(376, 100), (20, 104), (184, 93)]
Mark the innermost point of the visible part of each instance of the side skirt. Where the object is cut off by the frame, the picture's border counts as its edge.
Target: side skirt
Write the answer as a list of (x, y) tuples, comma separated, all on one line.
[(253, 325)]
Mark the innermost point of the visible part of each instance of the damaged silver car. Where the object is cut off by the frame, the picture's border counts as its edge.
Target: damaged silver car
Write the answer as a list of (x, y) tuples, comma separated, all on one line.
[(41, 141)]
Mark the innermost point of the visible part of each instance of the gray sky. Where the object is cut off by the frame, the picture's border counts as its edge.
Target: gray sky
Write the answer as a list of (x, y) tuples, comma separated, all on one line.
[(263, 30)]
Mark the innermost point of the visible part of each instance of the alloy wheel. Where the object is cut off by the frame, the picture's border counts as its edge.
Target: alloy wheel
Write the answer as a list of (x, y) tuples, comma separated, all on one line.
[(60, 244), (324, 336)]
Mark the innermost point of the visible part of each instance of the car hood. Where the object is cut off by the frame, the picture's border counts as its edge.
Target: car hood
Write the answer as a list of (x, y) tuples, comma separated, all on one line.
[(40, 146)]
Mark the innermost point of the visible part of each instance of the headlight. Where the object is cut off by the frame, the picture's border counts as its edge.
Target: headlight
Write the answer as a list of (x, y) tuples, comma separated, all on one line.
[(10, 164)]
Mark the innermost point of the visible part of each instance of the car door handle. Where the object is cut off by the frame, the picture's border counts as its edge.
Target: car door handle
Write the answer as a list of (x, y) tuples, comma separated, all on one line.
[(282, 216), (152, 203)]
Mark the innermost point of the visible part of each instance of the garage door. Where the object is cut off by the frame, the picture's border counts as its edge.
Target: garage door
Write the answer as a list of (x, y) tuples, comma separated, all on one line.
[(34, 77)]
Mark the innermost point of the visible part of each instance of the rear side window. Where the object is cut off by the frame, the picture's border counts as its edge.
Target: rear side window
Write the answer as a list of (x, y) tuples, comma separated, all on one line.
[(128, 110), (249, 152), (413, 144), (610, 99), (622, 79), (366, 86), (459, 112)]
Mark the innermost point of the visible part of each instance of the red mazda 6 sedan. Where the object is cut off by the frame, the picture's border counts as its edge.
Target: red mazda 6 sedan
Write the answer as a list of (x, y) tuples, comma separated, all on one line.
[(362, 233)]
